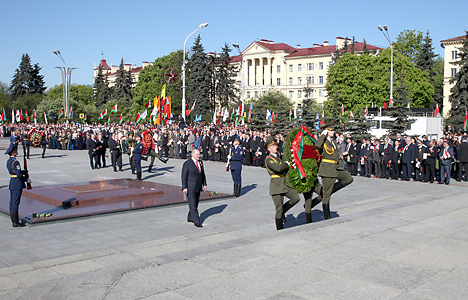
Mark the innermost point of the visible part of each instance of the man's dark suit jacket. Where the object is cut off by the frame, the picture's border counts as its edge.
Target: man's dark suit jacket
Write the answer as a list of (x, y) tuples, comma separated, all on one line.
[(409, 155), (191, 178), (463, 152)]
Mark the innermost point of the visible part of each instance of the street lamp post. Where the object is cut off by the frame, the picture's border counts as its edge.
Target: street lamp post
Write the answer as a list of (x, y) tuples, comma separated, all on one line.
[(183, 69), (387, 36), (235, 45), (66, 81)]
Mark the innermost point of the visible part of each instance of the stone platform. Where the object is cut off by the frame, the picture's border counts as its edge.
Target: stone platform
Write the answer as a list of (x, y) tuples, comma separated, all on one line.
[(66, 201)]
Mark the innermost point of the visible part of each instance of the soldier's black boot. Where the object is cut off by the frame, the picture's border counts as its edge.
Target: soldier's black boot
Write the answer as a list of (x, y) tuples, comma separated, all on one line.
[(115, 169), (308, 217), (150, 168), (287, 206), (326, 211), (139, 175), (279, 224), (235, 190), (239, 188), (164, 160)]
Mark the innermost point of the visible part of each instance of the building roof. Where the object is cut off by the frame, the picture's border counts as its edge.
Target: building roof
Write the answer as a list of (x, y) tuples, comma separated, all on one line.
[(234, 59), (454, 39), (272, 46), (358, 46), (103, 65)]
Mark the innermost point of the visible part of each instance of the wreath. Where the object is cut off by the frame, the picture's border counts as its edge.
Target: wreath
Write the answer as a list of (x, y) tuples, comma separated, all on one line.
[(299, 151), (34, 137)]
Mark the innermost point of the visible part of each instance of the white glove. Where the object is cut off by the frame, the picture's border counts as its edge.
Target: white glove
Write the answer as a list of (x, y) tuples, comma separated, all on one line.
[(229, 157), (29, 181), (289, 163), (325, 132)]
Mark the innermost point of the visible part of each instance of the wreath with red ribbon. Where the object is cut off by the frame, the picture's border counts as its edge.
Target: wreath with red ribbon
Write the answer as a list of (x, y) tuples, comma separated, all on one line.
[(299, 150)]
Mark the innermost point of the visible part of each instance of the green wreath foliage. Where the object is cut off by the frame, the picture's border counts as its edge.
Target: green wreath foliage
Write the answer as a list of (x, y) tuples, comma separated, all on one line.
[(293, 179)]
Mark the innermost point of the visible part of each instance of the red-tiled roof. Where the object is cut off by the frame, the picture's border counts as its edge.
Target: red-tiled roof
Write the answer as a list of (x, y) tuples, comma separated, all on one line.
[(328, 50), (277, 46), (234, 59), (104, 65), (454, 39)]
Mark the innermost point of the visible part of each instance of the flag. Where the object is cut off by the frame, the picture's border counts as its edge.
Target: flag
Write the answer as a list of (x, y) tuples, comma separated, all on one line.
[(226, 114), (108, 120), (60, 114), (367, 111), (71, 112), (27, 116), (409, 105), (390, 103), (148, 104), (250, 111), (317, 122), (121, 119), (163, 91), (103, 114), (322, 121), (168, 108), (18, 115), (141, 116), (187, 112), (465, 123), (214, 116), (268, 115), (290, 114), (52, 114), (437, 112), (385, 105), (113, 110), (380, 111), (3, 115), (21, 115), (12, 116), (341, 113), (45, 118), (34, 117), (137, 119)]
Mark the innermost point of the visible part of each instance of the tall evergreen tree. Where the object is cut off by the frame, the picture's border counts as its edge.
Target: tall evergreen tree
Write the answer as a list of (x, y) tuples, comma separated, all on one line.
[(101, 88), (425, 60), (400, 110), (123, 90), (22, 78), (37, 84), (309, 108), (225, 88), (199, 80), (339, 52), (459, 92), (212, 65)]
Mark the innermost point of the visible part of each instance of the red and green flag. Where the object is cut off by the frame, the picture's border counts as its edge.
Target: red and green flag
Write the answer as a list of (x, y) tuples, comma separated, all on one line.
[(436, 111), (465, 123), (114, 109), (60, 114), (121, 119)]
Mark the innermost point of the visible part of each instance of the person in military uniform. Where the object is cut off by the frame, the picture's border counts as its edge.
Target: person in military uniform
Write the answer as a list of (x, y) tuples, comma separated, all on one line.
[(329, 169), (153, 154), (236, 156), (17, 180), (137, 155), (277, 169), (25, 143)]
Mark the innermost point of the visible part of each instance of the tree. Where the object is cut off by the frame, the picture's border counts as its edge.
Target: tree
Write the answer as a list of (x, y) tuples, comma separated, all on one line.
[(199, 80), (123, 88), (340, 51), (36, 85), (100, 88), (310, 108), (400, 110), (5, 101), (425, 61), (275, 102), (22, 78), (459, 92), (409, 43), (225, 89)]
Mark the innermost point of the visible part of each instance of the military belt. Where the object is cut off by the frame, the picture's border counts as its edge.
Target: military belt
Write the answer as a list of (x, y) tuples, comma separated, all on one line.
[(330, 161), (276, 176), (14, 176)]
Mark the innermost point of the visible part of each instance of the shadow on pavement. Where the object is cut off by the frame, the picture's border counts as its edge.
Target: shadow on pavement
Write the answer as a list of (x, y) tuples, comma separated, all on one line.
[(248, 188), (317, 215), (212, 211)]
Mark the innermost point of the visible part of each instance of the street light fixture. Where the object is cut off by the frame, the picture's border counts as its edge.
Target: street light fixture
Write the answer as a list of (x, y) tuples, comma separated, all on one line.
[(183, 69), (235, 45), (387, 36), (66, 81)]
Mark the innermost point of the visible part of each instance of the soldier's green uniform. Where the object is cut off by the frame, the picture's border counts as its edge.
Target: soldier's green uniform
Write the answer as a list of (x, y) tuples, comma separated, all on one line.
[(277, 169), (330, 171)]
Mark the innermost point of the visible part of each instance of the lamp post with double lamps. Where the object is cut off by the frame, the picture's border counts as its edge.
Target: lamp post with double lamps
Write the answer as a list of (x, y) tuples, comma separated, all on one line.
[(235, 45), (66, 81), (387, 36), (183, 69)]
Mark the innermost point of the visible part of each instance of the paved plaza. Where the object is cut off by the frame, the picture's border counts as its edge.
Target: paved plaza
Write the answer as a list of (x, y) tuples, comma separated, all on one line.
[(386, 240)]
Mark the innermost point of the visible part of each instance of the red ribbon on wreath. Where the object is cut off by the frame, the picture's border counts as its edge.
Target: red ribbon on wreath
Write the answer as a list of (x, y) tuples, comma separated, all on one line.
[(301, 151)]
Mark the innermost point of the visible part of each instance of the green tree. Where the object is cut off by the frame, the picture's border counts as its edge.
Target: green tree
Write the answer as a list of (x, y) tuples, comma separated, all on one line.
[(409, 43), (425, 61), (22, 78), (5, 101), (225, 89), (123, 88), (199, 80), (37, 84), (102, 91), (400, 110), (309, 108), (275, 102), (439, 82), (459, 92)]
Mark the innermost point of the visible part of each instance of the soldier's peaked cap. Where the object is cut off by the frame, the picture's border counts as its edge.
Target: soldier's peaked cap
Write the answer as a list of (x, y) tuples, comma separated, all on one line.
[(270, 141)]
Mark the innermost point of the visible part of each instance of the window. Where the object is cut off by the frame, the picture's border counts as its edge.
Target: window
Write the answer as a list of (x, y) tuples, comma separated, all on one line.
[(453, 72), (309, 79), (278, 81), (291, 93), (299, 80), (290, 80), (278, 68), (330, 63), (310, 66), (454, 55), (256, 94), (299, 67), (320, 79), (290, 68), (299, 94), (320, 65), (248, 95), (320, 93)]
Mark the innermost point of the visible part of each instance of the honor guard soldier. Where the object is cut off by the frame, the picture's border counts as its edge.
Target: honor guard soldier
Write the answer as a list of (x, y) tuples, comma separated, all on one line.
[(25, 143), (137, 155), (329, 169), (17, 180), (236, 157), (277, 169)]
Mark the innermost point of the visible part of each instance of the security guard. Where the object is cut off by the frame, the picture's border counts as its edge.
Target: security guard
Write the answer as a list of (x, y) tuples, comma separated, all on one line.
[(17, 180), (137, 155), (329, 169), (278, 188), (237, 155)]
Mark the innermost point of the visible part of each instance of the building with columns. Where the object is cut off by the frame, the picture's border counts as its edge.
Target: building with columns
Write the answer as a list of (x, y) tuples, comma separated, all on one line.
[(265, 65), (451, 47), (112, 71)]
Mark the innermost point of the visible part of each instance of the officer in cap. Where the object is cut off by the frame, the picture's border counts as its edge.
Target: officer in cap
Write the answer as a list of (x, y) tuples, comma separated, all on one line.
[(329, 169), (17, 180), (236, 157), (277, 169)]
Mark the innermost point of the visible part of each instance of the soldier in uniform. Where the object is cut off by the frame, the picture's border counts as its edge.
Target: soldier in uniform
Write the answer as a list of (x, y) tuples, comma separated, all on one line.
[(277, 169), (329, 169), (17, 180), (25, 143), (236, 157), (137, 155)]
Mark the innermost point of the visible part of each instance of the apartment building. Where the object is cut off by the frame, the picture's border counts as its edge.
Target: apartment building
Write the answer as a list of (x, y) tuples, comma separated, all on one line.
[(112, 71)]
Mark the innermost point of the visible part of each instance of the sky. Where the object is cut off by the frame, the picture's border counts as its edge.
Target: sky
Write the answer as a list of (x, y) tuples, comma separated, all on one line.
[(143, 30)]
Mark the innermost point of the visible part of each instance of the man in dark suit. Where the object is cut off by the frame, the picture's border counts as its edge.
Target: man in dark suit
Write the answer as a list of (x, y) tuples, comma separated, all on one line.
[(446, 157), (386, 155), (193, 182), (407, 159), (463, 158), (91, 145)]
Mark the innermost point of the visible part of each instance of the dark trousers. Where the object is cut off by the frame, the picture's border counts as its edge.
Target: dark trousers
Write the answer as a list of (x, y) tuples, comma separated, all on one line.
[(102, 157), (407, 171), (116, 159), (368, 167), (26, 150), (193, 198), (92, 160), (396, 167), (378, 168), (236, 176), (445, 170), (15, 197), (463, 166), (385, 169), (137, 164), (430, 170)]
